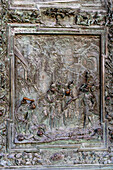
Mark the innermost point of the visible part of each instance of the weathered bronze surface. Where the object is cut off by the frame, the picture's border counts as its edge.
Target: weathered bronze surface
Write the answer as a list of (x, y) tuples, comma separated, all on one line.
[(63, 78), (56, 84)]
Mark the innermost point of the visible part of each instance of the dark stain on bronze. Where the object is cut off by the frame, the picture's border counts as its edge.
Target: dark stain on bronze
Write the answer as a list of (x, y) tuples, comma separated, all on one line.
[(67, 92), (110, 134), (97, 131), (56, 157), (1, 113), (23, 101), (26, 116), (33, 106), (40, 132), (20, 137)]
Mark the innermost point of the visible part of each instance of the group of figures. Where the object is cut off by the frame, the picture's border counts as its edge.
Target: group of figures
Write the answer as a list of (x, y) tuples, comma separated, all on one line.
[(64, 109)]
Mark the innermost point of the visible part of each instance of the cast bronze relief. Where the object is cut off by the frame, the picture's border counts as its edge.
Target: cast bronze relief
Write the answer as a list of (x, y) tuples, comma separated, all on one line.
[(61, 102), (56, 84), (57, 99)]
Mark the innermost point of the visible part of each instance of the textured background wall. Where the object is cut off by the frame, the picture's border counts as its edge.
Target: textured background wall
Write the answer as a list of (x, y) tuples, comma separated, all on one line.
[(65, 14)]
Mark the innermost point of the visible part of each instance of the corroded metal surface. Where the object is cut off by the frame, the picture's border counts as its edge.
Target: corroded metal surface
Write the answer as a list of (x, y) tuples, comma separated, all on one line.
[(15, 152), (63, 80)]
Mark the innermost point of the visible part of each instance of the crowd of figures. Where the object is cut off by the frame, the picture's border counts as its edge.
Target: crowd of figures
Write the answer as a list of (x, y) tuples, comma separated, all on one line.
[(64, 108)]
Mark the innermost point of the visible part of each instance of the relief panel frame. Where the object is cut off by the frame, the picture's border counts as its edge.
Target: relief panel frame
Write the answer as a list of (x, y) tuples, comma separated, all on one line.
[(14, 29)]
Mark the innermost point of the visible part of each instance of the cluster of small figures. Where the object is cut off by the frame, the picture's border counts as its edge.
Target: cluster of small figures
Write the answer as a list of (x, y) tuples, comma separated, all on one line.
[(67, 93), (59, 100), (71, 91), (60, 92), (41, 132)]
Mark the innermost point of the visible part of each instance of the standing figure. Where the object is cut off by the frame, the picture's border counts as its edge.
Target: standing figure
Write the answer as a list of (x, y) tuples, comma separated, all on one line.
[(88, 98)]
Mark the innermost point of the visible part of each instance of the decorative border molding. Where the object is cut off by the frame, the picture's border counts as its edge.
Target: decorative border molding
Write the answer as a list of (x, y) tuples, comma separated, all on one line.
[(14, 29), (37, 4), (104, 159), (76, 167)]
